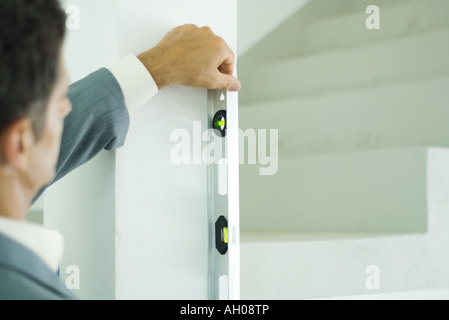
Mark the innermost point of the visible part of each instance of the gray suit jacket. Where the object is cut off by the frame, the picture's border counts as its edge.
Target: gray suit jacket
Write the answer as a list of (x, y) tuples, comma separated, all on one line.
[(99, 120)]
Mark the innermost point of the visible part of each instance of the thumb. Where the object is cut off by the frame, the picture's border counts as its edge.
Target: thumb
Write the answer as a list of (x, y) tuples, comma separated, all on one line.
[(227, 82)]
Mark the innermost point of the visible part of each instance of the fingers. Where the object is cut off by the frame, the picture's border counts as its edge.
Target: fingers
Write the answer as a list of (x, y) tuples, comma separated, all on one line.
[(228, 57), (227, 82), (226, 69), (195, 57), (227, 66)]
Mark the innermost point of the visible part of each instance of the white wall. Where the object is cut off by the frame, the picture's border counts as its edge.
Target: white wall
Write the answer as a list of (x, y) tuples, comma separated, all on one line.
[(161, 221), (139, 217), (82, 206)]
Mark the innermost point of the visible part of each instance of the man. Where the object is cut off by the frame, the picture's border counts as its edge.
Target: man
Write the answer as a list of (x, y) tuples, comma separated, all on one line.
[(48, 129)]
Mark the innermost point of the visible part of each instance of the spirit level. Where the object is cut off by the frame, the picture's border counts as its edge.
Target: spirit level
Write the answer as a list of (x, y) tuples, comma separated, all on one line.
[(224, 247)]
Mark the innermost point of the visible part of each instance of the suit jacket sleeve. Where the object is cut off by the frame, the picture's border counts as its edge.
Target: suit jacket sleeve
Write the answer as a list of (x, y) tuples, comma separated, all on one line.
[(99, 120)]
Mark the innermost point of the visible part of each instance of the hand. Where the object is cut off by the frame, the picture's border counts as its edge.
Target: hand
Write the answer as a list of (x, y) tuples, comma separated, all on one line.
[(194, 57)]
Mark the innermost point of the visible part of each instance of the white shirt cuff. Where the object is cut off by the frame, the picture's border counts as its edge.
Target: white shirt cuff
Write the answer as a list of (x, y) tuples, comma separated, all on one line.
[(136, 82)]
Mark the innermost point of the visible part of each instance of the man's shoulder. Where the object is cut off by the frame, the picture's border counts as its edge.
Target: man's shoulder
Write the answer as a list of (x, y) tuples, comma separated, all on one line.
[(18, 286), (24, 276)]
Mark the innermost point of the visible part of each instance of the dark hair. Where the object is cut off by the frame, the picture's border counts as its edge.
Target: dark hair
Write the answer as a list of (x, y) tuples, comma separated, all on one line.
[(31, 36)]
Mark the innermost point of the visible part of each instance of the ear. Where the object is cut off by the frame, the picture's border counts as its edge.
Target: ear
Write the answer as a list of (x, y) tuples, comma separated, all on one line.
[(16, 143)]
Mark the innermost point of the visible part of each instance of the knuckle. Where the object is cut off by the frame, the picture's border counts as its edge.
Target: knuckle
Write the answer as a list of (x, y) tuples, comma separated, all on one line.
[(206, 29), (186, 27), (191, 26), (220, 42)]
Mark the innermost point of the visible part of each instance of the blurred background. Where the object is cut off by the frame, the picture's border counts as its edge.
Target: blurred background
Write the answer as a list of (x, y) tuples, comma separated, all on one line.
[(363, 120)]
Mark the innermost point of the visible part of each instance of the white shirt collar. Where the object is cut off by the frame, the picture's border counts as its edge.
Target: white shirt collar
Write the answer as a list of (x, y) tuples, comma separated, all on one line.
[(45, 243)]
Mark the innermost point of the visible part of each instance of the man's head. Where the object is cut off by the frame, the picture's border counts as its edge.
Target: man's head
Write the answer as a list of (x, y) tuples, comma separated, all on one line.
[(33, 89)]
